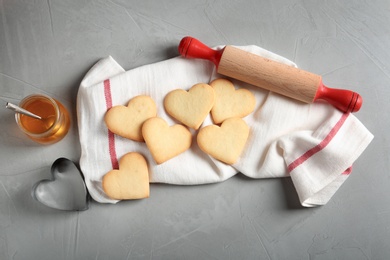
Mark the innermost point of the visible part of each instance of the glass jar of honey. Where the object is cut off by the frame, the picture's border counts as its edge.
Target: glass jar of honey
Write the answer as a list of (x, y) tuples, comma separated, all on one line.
[(54, 123)]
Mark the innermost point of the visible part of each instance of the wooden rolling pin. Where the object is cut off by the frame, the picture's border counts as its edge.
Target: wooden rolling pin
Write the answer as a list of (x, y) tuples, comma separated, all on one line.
[(271, 75)]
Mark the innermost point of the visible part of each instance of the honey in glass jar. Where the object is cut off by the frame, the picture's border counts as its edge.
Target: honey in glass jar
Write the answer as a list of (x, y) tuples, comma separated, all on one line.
[(54, 123)]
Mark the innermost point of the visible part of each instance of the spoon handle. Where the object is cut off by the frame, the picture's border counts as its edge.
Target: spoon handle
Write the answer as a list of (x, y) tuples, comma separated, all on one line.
[(20, 110)]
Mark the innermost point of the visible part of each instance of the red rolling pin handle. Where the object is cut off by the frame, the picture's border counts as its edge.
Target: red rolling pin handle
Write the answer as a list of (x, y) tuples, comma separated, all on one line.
[(192, 48), (344, 100)]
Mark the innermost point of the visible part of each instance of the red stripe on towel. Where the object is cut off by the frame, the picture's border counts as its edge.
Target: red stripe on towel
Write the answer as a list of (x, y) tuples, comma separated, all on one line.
[(320, 146), (348, 171), (111, 137)]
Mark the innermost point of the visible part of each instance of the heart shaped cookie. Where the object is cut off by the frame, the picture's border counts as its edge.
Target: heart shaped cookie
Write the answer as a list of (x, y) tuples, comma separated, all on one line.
[(230, 102), (164, 141), (224, 143), (65, 191), (190, 107), (127, 121), (131, 181)]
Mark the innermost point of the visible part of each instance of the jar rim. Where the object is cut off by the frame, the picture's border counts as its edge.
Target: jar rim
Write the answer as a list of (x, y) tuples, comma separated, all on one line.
[(50, 129)]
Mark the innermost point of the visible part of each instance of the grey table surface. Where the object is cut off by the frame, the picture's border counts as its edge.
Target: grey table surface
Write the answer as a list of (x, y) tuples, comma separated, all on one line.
[(47, 46)]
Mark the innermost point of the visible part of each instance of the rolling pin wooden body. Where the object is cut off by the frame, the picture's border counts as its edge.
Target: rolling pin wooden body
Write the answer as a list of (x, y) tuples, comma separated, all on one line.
[(271, 75)]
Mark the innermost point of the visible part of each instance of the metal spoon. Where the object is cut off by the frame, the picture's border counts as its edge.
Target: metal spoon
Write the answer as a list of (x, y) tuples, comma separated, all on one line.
[(20, 110)]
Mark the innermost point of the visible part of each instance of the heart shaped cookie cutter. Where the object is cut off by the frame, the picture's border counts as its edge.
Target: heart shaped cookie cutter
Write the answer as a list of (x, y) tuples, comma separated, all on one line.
[(65, 191)]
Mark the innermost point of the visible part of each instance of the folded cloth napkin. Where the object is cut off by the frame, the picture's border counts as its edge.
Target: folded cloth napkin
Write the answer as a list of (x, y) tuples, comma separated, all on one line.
[(314, 144)]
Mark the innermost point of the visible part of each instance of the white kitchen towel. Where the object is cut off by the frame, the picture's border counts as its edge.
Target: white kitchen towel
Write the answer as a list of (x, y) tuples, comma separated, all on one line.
[(314, 144)]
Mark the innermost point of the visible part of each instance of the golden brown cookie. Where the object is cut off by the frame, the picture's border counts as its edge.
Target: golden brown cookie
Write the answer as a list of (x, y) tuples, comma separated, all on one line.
[(127, 121), (164, 141), (230, 102), (190, 107), (225, 142), (131, 181)]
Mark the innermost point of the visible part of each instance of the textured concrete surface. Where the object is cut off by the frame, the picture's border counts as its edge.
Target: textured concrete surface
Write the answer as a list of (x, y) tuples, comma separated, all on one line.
[(47, 46)]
